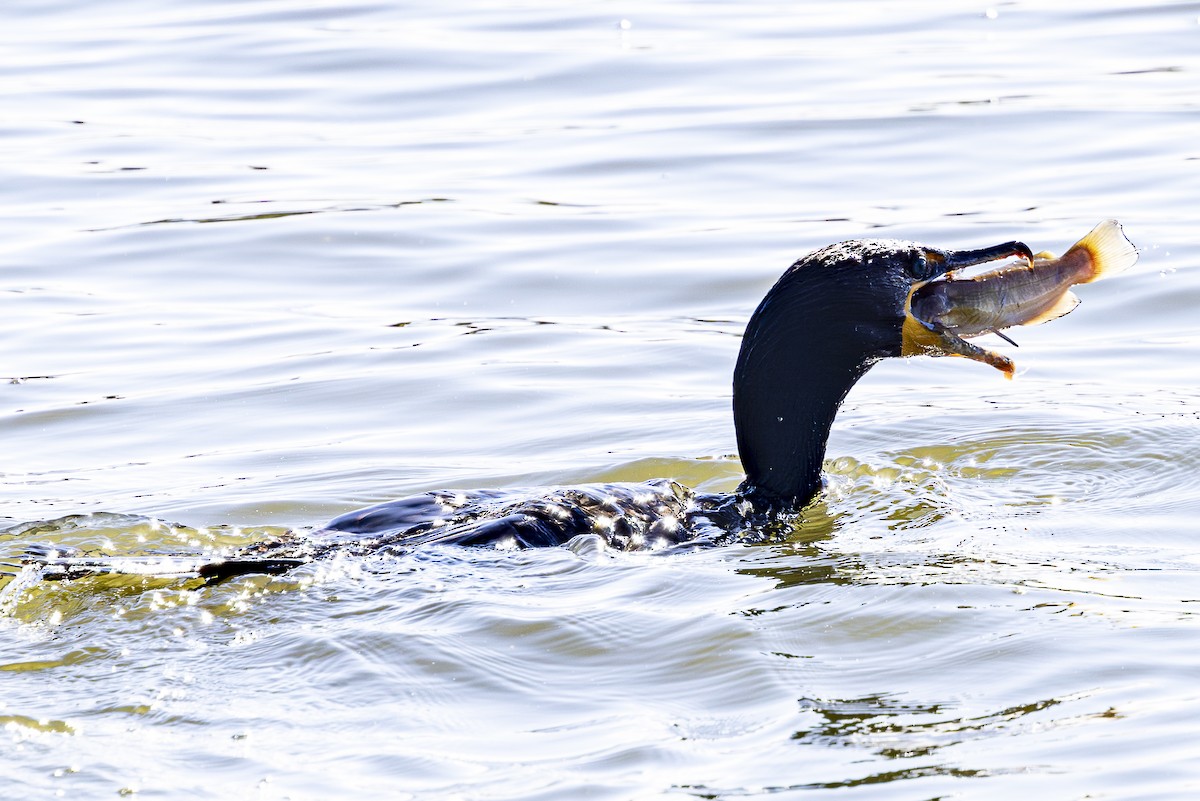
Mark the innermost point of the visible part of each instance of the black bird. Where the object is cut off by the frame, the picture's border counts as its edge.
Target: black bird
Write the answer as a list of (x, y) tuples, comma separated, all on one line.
[(825, 323)]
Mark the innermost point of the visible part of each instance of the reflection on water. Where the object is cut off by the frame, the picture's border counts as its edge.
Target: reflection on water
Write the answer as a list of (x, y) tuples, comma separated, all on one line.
[(900, 731)]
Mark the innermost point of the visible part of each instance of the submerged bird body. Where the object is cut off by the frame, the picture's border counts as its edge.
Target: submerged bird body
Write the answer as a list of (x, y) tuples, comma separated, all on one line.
[(830, 317), (628, 516)]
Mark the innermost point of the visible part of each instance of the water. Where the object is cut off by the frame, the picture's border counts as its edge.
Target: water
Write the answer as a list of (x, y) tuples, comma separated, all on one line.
[(264, 262)]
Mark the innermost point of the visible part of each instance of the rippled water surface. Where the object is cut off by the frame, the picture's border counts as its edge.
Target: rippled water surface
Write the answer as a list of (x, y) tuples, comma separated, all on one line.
[(265, 262)]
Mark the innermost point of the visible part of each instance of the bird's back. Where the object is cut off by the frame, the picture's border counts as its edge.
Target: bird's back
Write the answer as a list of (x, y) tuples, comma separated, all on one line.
[(648, 515)]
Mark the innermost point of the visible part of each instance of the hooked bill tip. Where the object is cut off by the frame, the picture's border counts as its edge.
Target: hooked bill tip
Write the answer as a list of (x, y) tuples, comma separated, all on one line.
[(958, 259)]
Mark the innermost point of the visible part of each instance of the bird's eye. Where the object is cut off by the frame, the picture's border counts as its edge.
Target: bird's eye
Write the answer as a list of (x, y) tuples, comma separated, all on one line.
[(919, 268), (926, 264)]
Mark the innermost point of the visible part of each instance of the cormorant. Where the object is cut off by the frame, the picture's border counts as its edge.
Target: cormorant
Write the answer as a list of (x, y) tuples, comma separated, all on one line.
[(830, 317)]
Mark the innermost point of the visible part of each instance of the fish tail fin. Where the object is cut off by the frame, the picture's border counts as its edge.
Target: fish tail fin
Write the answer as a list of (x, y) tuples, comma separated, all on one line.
[(1109, 251)]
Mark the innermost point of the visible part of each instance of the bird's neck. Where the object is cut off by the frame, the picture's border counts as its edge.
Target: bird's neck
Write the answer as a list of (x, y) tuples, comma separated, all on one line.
[(797, 363)]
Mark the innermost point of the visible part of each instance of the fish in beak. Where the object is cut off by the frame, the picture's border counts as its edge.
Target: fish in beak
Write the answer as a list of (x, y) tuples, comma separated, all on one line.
[(921, 337), (940, 314)]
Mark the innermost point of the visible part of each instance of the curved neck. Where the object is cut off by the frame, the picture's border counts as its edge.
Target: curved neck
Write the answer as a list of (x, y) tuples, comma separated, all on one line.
[(804, 348)]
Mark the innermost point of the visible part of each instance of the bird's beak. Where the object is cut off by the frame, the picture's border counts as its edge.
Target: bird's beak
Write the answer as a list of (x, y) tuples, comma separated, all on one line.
[(922, 338), (945, 262)]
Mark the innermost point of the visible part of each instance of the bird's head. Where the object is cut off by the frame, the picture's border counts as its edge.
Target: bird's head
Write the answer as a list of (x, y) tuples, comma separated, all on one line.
[(850, 302), (829, 318)]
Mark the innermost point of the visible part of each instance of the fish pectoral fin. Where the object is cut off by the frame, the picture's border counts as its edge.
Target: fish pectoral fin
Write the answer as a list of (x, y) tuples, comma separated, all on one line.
[(1004, 336), (1064, 305)]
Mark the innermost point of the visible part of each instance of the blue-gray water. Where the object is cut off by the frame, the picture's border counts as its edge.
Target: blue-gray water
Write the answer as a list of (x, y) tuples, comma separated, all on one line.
[(264, 262)]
